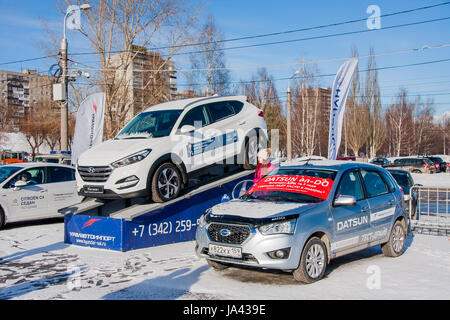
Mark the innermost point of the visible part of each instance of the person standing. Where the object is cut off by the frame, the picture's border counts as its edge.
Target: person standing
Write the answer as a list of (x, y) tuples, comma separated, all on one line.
[(264, 166)]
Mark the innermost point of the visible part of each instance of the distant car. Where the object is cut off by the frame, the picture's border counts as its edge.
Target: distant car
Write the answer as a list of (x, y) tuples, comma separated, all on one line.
[(347, 158), (439, 164), (414, 165), (31, 190), (54, 158), (299, 217), (406, 182), (380, 162)]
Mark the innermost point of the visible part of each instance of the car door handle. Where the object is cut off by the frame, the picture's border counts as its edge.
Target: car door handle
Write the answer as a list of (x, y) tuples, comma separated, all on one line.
[(242, 122), (391, 202), (364, 209), (43, 190)]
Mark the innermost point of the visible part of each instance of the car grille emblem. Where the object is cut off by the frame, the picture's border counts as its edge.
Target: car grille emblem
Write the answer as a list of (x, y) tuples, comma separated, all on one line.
[(225, 232), (91, 170)]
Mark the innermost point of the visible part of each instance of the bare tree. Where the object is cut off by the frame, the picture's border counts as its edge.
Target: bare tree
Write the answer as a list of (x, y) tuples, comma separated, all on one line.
[(356, 116), (307, 107), (261, 92), (208, 61), (372, 103), (399, 123), (113, 28)]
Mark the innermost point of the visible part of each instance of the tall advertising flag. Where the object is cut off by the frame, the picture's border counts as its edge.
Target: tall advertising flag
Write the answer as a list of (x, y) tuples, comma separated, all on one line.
[(341, 86), (89, 124)]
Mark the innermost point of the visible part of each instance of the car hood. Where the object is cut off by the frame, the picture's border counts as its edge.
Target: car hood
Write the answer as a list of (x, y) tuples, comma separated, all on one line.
[(112, 150), (256, 209)]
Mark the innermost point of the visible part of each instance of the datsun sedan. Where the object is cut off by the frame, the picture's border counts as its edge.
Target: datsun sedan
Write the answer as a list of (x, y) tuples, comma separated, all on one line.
[(302, 215)]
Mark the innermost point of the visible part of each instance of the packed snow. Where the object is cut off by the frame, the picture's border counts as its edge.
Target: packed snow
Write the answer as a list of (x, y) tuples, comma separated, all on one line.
[(35, 263)]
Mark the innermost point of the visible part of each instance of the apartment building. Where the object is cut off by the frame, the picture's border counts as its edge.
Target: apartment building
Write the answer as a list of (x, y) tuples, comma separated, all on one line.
[(145, 79), (19, 92)]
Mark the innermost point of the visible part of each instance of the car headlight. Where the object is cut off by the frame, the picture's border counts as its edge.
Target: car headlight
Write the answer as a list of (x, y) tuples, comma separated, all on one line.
[(135, 157), (201, 222), (285, 226)]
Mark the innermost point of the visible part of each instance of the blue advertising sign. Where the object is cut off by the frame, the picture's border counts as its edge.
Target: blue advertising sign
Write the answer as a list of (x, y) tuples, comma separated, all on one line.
[(174, 222)]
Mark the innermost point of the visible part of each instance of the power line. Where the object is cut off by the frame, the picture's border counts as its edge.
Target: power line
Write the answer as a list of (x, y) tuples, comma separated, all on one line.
[(424, 47), (314, 38), (267, 35)]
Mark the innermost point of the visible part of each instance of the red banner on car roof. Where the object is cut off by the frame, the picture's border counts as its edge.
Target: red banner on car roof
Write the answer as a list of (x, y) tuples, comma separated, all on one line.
[(316, 187)]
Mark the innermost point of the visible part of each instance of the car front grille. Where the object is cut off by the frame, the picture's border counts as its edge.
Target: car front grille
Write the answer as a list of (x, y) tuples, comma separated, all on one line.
[(94, 174), (235, 234)]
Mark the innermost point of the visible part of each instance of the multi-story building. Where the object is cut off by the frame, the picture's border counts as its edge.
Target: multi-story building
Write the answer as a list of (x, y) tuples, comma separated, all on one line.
[(20, 91), (145, 79)]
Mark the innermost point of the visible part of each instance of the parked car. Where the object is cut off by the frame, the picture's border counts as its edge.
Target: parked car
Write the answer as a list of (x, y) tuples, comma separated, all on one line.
[(439, 164), (32, 191), (414, 165), (54, 158), (299, 217), (162, 147), (380, 162), (406, 182)]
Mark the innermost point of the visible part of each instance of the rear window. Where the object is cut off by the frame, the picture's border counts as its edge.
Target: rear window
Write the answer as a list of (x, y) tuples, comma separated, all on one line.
[(374, 184), (220, 110)]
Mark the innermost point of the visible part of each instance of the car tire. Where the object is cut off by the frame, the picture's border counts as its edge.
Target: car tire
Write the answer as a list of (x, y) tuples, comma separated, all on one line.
[(166, 183), (313, 261), (2, 218), (397, 240), (416, 171), (217, 265)]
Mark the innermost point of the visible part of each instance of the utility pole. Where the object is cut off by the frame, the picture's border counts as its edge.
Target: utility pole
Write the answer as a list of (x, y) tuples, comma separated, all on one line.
[(288, 118), (65, 103), (288, 127)]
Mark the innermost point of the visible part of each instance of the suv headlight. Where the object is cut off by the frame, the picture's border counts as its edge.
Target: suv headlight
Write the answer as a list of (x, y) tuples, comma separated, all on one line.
[(135, 157), (284, 226)]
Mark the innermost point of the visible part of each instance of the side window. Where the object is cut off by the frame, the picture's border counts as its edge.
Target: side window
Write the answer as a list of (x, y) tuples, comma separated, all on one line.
[(60, 174), (237, 106), (374, 184), (389, 182), (350, 186), (220, 110), (194, 117), (32, 176)]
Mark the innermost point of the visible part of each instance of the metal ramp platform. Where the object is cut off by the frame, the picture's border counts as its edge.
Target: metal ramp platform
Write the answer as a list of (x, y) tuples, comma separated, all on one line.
[(140, 225)]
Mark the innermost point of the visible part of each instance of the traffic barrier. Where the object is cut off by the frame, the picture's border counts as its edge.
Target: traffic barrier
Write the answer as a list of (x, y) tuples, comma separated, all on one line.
[(432, 209), (149, 225)]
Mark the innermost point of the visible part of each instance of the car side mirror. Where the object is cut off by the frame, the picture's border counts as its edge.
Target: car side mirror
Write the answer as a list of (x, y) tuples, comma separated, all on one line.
[(19, 184), (344, 201), (187, 128)]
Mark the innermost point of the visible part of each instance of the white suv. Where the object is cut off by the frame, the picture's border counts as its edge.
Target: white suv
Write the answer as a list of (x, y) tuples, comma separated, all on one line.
[(157, 151)]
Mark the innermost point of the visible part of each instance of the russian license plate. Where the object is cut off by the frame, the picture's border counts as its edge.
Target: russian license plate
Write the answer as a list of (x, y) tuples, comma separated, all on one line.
[(225, 251), (93, 189)]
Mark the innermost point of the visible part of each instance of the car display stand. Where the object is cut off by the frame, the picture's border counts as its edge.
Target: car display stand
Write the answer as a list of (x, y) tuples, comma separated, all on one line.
[(149, 224)]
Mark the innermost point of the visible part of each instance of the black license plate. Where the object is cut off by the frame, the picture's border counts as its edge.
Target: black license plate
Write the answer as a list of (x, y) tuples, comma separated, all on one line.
[(93, 189)]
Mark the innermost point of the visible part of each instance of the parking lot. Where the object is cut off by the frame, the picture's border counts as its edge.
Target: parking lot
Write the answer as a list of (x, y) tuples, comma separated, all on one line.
[(36, 264)]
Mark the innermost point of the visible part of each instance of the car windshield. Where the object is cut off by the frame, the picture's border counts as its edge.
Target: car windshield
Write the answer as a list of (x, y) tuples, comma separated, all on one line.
[(401, 178), (7, 171), (436, 160), (150, 124), (296, 185)]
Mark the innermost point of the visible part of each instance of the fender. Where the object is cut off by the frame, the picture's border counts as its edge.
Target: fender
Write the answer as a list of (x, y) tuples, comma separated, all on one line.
[(168, 157)]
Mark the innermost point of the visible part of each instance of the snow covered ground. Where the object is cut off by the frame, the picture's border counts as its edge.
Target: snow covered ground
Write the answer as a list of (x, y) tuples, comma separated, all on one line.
[(35, 263)]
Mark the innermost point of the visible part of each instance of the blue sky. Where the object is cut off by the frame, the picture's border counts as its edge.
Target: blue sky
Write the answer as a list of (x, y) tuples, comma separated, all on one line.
[(21, 30)]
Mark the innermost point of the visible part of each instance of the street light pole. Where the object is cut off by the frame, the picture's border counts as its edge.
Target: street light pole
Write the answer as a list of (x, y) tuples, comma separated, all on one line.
[(288, 118), (65, 81)]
